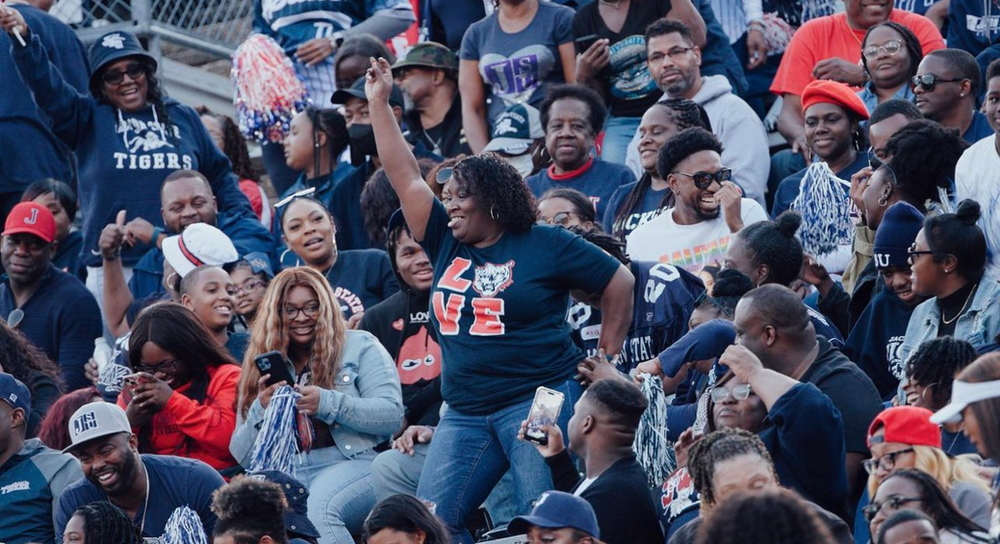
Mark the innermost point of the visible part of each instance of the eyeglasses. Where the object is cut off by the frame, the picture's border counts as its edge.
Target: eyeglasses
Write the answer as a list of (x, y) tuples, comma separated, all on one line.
[(248, 287), (298, 194), (874, 162), (133, 71), (913, 253), (929, 81), (703, 180), (887, 462), (890, 505), (675, 54), (560, 218), (890, 47), (444, 174), (292, 312), (738, 392), (168, 367)]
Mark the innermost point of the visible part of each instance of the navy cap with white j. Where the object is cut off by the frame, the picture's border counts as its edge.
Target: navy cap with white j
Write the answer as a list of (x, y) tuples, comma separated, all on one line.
[(558, 510), (96, 420), (15, 393)]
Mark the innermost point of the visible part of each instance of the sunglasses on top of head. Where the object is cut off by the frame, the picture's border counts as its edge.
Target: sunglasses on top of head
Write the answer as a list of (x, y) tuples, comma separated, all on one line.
[(133, 71)]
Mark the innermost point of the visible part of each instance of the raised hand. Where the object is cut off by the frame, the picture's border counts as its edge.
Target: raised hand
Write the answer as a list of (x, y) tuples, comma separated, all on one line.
[(113, 237), (378, 81)]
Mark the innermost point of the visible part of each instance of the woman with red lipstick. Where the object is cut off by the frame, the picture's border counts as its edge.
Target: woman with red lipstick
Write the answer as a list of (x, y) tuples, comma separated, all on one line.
[(499, 298), (182, 398), (948, 263)]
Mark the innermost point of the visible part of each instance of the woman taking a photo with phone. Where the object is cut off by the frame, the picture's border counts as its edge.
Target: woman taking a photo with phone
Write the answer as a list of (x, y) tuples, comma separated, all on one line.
[(348, 388), (499, 299), (182, 398)]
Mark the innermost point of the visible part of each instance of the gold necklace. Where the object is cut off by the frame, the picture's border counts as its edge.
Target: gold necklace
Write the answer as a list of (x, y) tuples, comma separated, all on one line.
[(850, 30), (960, 312)]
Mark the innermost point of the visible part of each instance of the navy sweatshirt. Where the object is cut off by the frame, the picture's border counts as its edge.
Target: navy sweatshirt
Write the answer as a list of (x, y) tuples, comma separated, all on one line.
[(62, 319), (247, 234), (124, 157), (875, 342), (598, 181), (25, 126)]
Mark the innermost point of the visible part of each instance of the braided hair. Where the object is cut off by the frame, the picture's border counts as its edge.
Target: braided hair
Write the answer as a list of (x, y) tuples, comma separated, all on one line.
[(249, 509), (773, 244), (104, 523), (936, 362), (717, 447), (771, 517), (582, 205), (920, 176), (684, 114), (234, 145), (611, 245), (331, 123)]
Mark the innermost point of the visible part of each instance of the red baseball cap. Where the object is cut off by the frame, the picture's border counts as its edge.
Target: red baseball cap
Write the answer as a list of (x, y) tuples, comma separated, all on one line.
[(31, 218), (906, 425)]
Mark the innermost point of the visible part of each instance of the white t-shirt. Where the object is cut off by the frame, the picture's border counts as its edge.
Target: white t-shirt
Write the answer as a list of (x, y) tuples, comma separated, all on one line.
[(688, 246), (976, 178)]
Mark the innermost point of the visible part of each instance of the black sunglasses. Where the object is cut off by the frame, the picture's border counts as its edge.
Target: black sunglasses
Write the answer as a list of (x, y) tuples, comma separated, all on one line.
[(133, 71), (929, 81), (704, 180)]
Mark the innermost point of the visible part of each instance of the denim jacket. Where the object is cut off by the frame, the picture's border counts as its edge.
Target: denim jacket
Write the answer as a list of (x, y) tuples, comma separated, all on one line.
[(978, 326), (363, 410)]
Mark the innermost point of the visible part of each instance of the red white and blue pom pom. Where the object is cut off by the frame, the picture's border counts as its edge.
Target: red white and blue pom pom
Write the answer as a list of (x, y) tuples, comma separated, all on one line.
[(267, 92)]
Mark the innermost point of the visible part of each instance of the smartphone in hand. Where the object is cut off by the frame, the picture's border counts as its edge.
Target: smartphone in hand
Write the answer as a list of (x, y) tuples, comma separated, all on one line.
[(544, 411), (275, 364)]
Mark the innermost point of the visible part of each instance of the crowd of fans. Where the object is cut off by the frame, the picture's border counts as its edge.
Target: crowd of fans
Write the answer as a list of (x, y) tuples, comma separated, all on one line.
[(566, 200)]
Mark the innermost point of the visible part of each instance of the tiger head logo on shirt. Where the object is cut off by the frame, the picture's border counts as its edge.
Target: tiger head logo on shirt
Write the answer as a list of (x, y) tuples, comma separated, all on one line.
[(491, 278)]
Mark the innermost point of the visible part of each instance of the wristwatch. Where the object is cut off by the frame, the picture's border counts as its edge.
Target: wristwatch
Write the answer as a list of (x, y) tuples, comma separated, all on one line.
[(336, 40)]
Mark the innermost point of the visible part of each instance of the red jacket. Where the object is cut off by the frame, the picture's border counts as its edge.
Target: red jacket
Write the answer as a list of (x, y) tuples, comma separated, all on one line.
[(188, 428)]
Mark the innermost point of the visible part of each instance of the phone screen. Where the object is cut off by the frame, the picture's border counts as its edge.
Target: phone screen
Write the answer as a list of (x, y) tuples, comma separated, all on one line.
[(544, 411)]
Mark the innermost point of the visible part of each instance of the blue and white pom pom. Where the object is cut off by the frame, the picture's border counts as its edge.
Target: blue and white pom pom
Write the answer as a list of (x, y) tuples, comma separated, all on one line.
[(652, 449), (824, 201), (184, 527), (277, 443)]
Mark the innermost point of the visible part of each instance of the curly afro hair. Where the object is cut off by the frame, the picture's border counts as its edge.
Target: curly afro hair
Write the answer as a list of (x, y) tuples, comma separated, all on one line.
[(936, 362), (773, 244), (771, 517), (682, 145), (249, 508), (917, 174), (499, 188)]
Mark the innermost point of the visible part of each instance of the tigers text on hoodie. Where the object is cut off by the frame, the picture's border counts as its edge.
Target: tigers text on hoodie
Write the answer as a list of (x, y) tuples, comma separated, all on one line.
[(124, 157)]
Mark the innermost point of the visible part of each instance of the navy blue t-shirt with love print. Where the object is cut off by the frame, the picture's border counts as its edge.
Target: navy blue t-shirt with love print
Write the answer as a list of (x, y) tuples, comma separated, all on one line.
[(500, 311)]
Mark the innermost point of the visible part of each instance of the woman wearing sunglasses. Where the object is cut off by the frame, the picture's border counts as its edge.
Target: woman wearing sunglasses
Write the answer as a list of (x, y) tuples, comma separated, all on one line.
[(833, 115), (948, 263), (501, 289), (566, 208), (890, 54), (348, 389), (127, 136), (916, 490), (903, 437), (182, 398)]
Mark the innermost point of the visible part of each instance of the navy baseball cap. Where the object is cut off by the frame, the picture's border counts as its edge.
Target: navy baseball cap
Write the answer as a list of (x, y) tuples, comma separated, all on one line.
[(259, 263), (558, 510), (296, 493), (113, 46), (15, 393), (357, 90)]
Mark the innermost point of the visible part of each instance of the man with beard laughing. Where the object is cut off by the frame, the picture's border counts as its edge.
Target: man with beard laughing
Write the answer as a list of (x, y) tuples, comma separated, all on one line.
[(709, 208), (148, 488)]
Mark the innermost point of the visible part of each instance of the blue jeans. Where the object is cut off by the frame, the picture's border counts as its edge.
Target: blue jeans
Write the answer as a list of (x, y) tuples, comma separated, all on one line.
[(618, 133), (469, 455), (341, 492)]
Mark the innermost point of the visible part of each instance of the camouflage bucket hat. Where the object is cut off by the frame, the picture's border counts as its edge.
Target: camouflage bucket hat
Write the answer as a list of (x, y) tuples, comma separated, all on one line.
[(428, 55)]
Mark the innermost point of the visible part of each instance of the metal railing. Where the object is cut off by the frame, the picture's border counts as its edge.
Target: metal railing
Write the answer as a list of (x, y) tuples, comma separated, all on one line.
[(213, 26)]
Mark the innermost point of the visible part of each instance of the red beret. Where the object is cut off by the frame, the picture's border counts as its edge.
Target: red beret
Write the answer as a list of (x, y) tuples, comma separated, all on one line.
[(832, 92)]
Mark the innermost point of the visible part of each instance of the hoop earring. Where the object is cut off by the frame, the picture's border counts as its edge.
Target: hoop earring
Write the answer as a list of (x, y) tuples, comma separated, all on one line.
[(883, 200), (493, 214)]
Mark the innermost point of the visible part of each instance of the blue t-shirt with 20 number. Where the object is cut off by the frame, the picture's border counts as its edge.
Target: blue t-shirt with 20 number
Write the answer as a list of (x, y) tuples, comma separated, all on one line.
[(518, 67), (500, 310)]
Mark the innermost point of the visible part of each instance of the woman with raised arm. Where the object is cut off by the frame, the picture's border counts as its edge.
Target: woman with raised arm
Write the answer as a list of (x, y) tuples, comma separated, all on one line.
[(499, 299)]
